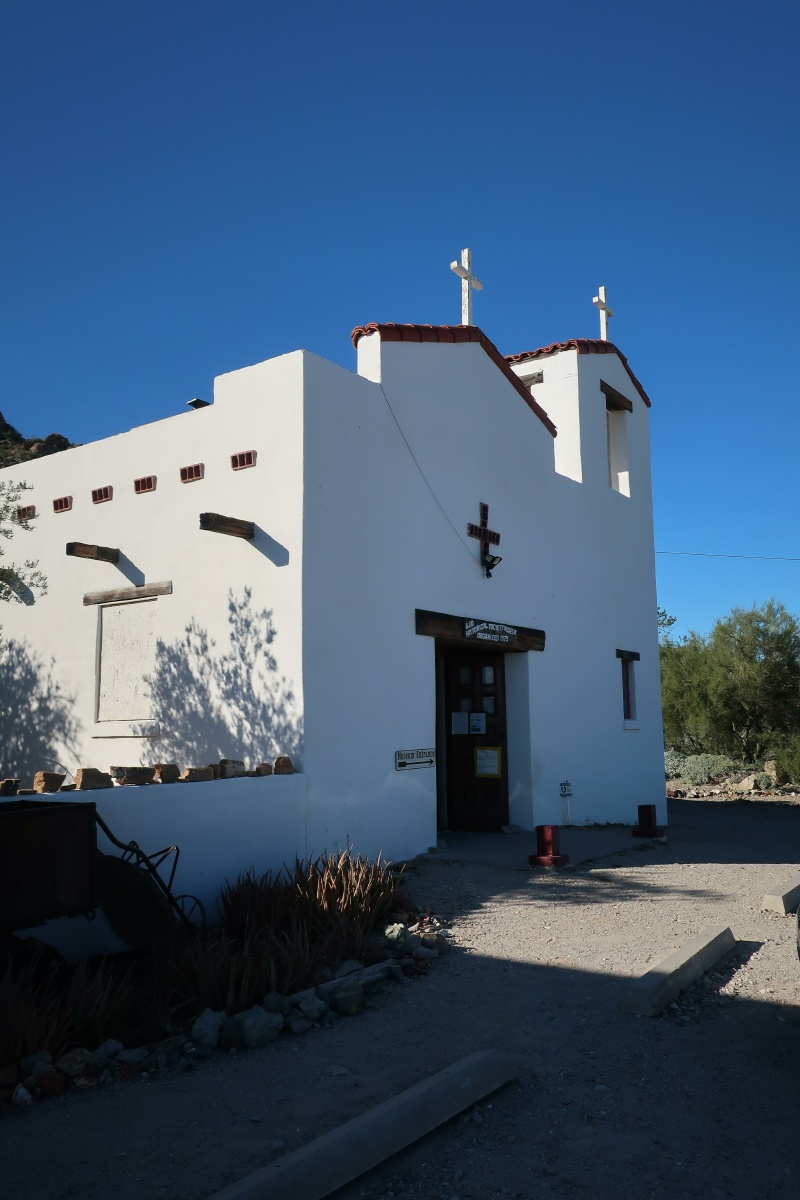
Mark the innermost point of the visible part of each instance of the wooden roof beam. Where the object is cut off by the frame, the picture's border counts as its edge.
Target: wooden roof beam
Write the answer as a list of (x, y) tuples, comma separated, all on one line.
[(107, 554), (233, 526)]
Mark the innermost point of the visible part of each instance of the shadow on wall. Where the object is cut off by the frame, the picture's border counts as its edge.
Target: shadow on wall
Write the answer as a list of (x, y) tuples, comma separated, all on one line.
[(38, 727), (229, 704)]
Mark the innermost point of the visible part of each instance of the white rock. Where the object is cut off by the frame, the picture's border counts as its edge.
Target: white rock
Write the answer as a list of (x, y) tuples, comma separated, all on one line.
[(312, 1008), (207, 1028), (109, 1049), (131, 1057), (258, 1027)]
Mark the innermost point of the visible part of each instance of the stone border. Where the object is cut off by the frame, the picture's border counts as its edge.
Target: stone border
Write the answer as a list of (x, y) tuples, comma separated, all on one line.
[(784, 898), (648, 995), (338, 1157)]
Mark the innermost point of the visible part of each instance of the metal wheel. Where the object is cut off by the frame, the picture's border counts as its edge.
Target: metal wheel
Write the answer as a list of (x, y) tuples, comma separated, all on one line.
[(192, 911)]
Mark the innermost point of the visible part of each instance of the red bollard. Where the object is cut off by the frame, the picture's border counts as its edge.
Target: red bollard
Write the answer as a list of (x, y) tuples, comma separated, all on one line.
[(647, 827), (548, 846)]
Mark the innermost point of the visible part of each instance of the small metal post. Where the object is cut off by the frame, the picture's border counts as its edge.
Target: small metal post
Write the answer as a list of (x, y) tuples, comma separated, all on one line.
[(548, 848)]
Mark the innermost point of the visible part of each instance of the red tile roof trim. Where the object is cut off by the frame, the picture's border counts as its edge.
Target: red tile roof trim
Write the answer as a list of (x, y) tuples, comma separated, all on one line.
[(583, 346), (392, 332)]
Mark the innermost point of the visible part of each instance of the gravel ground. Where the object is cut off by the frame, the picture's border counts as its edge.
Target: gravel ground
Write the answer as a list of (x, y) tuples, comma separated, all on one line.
[(700, 1102)]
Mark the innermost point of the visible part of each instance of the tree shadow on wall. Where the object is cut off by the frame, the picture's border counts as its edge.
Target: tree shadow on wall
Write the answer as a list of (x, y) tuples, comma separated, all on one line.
[(38, 726), (228, 703)]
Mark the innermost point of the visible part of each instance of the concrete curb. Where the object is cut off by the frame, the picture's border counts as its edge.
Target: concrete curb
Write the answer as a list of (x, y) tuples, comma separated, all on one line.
[(784, 898), (342, 1155), (651, 993)]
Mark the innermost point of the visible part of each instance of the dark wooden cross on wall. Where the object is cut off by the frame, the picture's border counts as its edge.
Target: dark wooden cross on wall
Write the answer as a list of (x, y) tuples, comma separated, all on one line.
[(486, 536)]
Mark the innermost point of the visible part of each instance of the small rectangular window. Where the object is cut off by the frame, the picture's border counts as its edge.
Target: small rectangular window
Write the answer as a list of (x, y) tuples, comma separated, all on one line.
[(147, 483), (247, 458), (62, 504), (627, 659), (26, 513), (102, 494), (189, 474)]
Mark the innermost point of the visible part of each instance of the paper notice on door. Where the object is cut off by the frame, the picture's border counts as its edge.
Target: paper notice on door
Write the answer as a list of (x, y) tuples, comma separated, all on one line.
[(487, 762), (459, 722), (477, 722)]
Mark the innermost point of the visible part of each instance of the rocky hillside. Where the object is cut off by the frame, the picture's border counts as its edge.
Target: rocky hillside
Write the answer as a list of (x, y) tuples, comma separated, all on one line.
[(14, 448)]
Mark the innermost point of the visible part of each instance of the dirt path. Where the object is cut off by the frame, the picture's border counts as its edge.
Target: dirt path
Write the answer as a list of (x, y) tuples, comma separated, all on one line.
[(701, 1103)]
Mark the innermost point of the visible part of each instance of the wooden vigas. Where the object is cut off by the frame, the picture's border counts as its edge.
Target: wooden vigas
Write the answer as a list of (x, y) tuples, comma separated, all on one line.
[(107, 554), (233, 526)]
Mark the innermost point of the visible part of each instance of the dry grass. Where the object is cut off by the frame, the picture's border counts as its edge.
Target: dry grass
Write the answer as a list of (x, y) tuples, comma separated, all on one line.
[(278, 934), (49, 1006)]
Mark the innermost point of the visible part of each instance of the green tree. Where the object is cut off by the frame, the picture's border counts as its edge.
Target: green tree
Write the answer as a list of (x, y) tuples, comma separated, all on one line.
[(665, 623), (737, 690), (18, 582)]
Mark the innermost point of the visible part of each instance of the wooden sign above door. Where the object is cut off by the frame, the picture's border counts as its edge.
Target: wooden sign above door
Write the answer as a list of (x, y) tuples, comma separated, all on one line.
[(477, 632)]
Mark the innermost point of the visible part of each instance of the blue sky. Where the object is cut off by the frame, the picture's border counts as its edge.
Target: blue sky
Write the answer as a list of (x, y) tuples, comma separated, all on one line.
[(193, 186)]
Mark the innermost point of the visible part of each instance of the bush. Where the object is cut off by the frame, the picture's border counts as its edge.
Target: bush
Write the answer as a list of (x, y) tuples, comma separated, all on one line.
[(736, 690), (706, 768), (674, 763), (282, 932), (787, 759), (51, 1005), (763, 781), (319, 896), (279, 934)]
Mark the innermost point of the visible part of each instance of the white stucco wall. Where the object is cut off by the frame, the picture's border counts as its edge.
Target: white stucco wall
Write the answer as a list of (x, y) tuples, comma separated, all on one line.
[(221, 829), (216, 646), (353, 535), (577, 562), (601, 598)]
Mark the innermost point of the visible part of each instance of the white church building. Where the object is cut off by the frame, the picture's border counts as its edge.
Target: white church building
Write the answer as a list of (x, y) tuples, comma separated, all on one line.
[(430, 581)]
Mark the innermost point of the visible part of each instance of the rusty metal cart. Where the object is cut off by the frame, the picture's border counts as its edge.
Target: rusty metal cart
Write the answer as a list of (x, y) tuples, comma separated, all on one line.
[(50, 866)]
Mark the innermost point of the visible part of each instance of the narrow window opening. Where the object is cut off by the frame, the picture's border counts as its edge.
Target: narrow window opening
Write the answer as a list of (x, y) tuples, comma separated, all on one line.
[(102, 494), (62, 504), (147, 483), (628, 658), (190, 474), (26, 513), (247, 458), (628, 710), (617, 409)]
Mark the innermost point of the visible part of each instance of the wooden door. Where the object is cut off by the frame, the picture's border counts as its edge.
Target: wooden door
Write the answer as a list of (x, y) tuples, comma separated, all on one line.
[(475, 730)]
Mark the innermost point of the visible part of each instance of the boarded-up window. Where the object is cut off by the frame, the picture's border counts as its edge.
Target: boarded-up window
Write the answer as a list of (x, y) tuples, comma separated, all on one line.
[(127, 661)]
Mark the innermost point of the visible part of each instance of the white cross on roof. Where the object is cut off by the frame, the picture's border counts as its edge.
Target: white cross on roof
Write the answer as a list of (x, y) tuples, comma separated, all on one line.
[(605, 313), (468, 282)]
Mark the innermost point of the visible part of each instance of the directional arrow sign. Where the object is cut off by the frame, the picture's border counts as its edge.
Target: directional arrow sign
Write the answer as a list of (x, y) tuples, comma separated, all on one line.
[(405, 760)]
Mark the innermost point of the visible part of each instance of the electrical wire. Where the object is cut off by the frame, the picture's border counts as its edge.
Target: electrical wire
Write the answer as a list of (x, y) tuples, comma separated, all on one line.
[(683, 553), (751, 557), (422, 473)]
